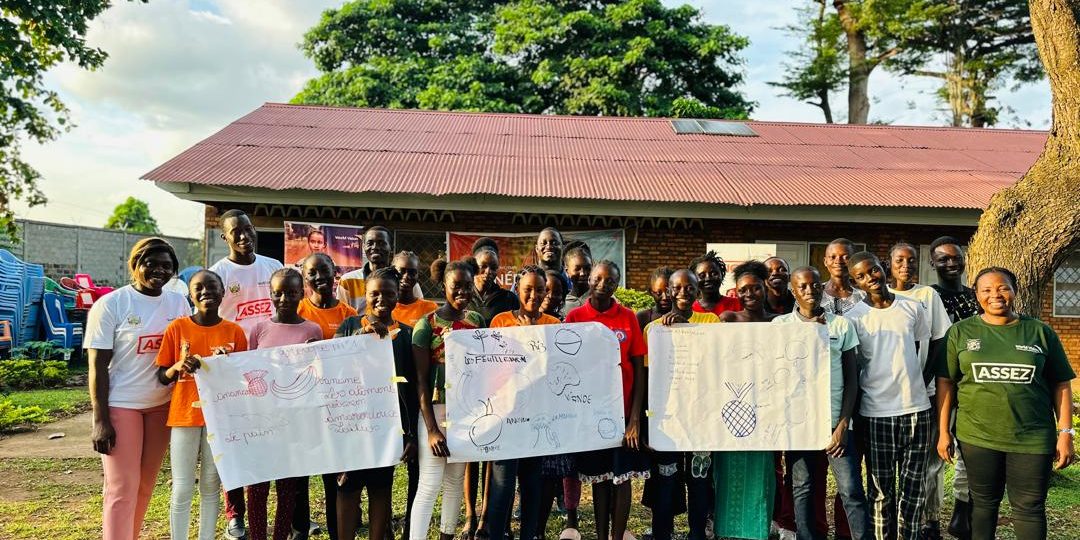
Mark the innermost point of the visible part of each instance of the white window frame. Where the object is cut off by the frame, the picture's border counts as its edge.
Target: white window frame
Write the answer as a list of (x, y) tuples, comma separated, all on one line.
[(1053, 299)]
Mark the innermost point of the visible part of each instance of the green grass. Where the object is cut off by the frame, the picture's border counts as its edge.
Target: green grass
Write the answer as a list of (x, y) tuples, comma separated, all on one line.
[(60, 499), (56, 402)]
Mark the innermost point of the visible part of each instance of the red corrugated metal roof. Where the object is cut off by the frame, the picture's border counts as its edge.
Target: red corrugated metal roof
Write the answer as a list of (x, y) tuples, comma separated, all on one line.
[(632, 159)]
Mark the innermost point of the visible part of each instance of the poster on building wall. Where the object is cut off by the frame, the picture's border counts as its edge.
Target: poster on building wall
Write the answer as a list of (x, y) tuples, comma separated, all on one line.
[(340, 242), (532, 391), (752, 386), (517, 249), (736, 254)]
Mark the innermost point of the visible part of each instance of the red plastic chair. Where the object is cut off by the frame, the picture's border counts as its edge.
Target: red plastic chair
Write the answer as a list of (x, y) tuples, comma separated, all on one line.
[(85, 298), (69, 283), (84, 281)]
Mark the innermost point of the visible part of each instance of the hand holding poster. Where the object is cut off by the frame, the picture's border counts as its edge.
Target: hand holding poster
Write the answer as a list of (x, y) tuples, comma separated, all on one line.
[(301, 410), (532, 391), (749, 386)]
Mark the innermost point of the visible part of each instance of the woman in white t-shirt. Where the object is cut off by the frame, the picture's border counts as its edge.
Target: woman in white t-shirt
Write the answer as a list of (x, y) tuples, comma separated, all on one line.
[(123, 334)]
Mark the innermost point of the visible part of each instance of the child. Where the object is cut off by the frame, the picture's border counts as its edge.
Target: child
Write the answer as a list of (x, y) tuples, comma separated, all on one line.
[(381, 291), (843, 456), (658, 290), (556, 294), (410, 307), (531, 291), (578, 268), (186, 339), (322, 308), (710, 270), (894, 403), (287, 327), (610, 470), (662, 490), (490, 299), (457, 279)]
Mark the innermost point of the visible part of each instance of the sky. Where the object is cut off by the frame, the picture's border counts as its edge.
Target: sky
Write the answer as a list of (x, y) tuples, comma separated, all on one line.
[(179, 70)]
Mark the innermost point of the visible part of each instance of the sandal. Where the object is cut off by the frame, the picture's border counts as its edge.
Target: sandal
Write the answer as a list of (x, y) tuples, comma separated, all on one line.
[(570, 534)]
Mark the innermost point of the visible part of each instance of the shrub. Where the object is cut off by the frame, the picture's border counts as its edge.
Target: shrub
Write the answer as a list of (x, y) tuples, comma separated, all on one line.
[(635, 300), (29, 374), (12, 415), (41, 350)]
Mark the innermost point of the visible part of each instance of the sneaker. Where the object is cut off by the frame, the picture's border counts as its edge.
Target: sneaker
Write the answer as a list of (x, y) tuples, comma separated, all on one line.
[(235, 529), (785, 534), (314, 528)]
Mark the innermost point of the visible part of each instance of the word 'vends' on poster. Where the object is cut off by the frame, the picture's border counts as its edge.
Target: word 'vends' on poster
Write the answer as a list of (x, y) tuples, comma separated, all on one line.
[(532, 391), (301, 410), (749, 386)]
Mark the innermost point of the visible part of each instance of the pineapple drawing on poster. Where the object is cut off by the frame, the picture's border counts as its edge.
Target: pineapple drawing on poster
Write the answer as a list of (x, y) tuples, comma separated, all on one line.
[(532, 391), (751, 386)]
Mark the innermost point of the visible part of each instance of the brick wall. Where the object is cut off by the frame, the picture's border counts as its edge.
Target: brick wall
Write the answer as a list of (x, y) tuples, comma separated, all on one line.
[(1068, 329), (65, 250)]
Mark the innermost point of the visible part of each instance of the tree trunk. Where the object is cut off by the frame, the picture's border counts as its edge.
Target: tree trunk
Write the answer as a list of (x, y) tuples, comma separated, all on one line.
[(858, 67), (1032, 226), (823, 95)]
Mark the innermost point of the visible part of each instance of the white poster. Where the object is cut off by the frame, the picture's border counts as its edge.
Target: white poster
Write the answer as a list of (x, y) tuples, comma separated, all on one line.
[(735, 254), (301, 410), (532, 391), (746, 386)]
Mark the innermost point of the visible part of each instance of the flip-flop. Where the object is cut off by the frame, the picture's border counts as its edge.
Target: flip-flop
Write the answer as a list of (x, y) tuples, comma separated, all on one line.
[(570, 534), (699, 465)]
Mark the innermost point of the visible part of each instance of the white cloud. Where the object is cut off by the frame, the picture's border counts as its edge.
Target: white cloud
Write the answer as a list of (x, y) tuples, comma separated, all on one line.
[(180, 70)]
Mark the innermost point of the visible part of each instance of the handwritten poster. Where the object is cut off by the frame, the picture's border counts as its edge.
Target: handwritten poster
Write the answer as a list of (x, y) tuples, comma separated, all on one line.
[(747, 386), (301, 410), (532, 391)]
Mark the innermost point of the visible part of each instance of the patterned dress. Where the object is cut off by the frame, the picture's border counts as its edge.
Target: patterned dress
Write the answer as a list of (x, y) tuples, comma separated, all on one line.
[(429, 333)]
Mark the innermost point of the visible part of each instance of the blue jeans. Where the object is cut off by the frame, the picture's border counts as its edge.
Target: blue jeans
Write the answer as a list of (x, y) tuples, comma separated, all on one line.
[(500, 502), (849, 486)]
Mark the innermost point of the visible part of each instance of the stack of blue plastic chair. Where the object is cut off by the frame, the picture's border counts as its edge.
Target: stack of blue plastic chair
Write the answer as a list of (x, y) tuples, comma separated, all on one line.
[(34, 287), (12, 300)]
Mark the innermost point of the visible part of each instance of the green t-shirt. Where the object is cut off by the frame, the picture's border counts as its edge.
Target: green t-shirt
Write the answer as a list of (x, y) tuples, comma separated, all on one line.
[(1005, 376), (429, 332)]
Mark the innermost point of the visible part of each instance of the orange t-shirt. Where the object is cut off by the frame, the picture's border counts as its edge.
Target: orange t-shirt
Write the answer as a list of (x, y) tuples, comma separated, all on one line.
[(507, 318), (329, 319), (202, 340), (408, 314)]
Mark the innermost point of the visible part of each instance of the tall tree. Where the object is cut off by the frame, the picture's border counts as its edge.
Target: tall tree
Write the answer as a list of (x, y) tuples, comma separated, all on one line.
[(133, 215), (34, 37), (1033, 225), (974, 47), (817, 67), (615, 57)]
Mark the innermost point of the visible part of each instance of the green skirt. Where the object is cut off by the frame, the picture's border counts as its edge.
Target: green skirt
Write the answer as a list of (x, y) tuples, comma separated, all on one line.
[(745, 486)]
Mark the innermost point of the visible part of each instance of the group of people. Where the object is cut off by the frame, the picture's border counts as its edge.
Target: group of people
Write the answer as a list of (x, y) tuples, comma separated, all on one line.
[(920, 375)]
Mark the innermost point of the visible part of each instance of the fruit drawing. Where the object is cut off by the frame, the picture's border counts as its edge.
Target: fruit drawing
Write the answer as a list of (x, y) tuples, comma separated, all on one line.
[(256, 386), (561, 376), (568, 341), (301, 385), (606, 428), (543, 428), (740, 416), (487, 428)]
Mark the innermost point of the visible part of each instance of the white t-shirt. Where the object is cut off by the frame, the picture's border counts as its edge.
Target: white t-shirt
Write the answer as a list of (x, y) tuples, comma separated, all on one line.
[(939, 319), (890, 373), (247, 291), (131, 324)]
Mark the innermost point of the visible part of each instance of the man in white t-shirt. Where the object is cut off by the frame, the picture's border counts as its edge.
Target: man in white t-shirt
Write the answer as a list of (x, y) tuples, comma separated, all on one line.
[(893, 377), (903, 271), (246, 276)]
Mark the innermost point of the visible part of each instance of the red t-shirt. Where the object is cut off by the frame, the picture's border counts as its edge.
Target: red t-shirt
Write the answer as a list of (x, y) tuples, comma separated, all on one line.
[(726, 303), (624, 323)]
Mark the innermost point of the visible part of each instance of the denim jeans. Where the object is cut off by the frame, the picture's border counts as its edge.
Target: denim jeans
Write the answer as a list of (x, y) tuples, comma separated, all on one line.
[(500, 502), (699, 491), (849, 486), (530, 480)]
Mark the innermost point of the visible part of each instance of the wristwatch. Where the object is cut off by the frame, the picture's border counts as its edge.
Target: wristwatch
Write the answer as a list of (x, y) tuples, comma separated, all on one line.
[(1070, 431)]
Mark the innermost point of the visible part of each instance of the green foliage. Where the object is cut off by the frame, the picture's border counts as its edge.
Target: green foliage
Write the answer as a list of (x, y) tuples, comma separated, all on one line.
[(623, 57), (974, 47), (54, 401), (12, 415), (34, 37), (692, 108), (40, 350), (818, 66), (635, 300), (133, 215), (28, 374)]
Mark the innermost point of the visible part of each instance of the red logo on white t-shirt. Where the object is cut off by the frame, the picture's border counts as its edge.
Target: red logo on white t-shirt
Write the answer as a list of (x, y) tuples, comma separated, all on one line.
[(148, 344), (254, 308)]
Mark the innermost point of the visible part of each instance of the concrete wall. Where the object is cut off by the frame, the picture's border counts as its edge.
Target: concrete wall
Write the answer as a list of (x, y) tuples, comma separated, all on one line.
[(66, 250)]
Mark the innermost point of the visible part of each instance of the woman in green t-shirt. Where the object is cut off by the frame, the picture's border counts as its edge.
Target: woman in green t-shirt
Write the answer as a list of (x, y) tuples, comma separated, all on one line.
[(1009, 377)]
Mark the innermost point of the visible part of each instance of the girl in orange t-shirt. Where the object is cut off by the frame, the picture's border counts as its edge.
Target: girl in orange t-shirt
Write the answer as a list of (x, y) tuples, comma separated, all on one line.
[(322, 306), (532, 290), (409, 308), (187, 339)]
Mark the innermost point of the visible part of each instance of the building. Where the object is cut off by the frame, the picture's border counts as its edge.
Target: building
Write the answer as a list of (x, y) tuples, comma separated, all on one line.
[(671, 186)]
